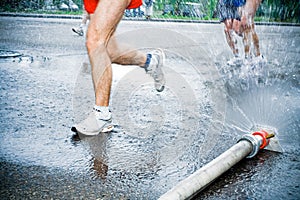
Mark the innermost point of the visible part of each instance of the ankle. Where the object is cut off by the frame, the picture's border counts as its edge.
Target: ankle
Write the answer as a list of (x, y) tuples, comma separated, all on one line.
[(102, 112), (148, 60)]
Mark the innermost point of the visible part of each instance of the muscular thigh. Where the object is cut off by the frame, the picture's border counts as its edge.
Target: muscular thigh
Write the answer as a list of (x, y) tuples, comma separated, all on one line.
[(251, 7), (105, 19)]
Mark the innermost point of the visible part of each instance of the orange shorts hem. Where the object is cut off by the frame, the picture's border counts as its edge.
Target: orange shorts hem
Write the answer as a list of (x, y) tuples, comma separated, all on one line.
[(135, 4), (91, 5)]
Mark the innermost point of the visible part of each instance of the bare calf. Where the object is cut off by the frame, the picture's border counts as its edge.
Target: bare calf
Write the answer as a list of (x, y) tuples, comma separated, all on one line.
[(248, 12)]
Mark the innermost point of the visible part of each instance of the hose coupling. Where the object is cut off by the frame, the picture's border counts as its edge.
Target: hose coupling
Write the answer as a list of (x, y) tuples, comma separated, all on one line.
[(255, 141), (259, 140)]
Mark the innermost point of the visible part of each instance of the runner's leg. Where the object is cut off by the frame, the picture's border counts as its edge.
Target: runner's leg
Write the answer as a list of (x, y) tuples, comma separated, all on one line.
[(229, 37), (124, 54), (103, 24)]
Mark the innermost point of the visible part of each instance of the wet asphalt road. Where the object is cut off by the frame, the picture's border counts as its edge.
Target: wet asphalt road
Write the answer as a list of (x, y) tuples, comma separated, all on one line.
[(159, 138)]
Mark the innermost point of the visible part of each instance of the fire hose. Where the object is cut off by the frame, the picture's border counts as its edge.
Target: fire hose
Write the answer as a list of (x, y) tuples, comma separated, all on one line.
[(248, 146)]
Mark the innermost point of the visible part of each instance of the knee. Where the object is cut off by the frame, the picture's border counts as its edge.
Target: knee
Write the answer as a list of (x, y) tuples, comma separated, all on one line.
[(93, 40), (227, 30), (90, 44)]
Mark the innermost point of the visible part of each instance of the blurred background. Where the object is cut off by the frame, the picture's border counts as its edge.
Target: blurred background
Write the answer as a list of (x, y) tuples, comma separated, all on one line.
[(270, 10)]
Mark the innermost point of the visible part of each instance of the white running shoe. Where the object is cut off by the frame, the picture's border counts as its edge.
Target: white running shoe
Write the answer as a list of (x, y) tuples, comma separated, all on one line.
[(94, 124), (255, 61), (154, 69), (236, 60), (78, 30), (260, 59)]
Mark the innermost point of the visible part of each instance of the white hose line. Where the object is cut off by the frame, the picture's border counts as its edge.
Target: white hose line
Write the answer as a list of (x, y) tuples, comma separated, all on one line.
[(196, 182)]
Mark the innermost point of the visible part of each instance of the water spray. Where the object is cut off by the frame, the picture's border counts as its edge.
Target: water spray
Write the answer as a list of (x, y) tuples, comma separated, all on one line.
[(247, 147)]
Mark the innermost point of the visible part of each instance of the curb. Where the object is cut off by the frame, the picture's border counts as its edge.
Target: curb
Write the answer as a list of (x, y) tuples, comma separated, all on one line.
[(62, 16)]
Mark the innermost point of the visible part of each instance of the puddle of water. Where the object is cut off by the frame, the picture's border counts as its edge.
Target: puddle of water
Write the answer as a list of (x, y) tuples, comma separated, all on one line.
[(34, 116)]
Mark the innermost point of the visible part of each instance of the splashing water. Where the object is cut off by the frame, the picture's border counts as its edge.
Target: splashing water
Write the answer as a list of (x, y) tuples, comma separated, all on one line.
[(263, 93)]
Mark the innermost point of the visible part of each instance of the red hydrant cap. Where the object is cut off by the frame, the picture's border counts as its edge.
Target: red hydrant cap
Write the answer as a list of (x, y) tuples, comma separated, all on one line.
[(264, 136)]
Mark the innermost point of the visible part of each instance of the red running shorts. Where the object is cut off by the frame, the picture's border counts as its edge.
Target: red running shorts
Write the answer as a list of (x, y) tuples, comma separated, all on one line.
[(90, 5)]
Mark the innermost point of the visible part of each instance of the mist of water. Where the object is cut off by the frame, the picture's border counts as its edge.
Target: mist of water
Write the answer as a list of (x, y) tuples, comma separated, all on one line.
[(265, 94)]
